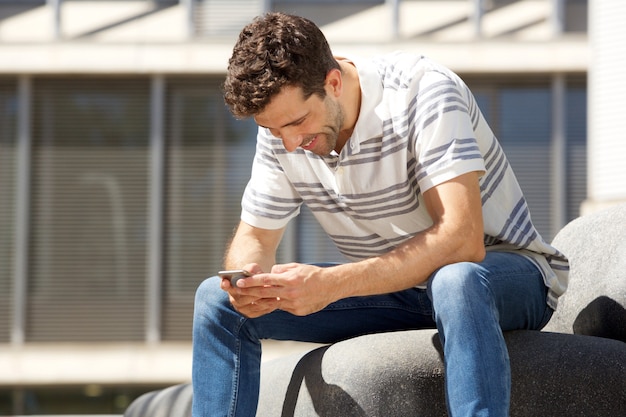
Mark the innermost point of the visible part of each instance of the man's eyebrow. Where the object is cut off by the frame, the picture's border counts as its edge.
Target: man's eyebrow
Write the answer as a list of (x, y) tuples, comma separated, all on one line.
[(297, 121), (292, 123)]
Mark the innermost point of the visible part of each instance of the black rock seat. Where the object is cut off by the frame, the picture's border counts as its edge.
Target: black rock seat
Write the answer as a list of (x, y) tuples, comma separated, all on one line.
[(576, 366)]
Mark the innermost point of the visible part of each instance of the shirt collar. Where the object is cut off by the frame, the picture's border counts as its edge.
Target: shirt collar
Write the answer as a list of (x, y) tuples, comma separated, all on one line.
[(369, 124)]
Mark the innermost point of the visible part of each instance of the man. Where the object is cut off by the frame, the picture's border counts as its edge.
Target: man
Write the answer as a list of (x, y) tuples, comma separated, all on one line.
[(398, 165)]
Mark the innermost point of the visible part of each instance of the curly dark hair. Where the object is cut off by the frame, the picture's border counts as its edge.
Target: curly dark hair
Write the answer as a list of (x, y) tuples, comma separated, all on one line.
[(273, 51)]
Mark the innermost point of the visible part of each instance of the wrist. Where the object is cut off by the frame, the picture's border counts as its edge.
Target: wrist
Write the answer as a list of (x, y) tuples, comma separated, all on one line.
[(347, 280)]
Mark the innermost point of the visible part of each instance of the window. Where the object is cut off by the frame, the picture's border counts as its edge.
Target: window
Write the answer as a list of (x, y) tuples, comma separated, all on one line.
[(89, 209), (209, 156), (520, 113), (8, 157), (90, 204), (576, 14), (224, 17), (525, 132), (576, 114)]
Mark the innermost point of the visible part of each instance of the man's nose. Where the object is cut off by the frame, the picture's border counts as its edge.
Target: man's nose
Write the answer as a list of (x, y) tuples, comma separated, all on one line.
[(291, 142)]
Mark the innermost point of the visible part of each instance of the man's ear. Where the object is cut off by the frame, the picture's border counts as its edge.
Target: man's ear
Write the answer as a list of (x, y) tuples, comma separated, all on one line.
[(334, 82)]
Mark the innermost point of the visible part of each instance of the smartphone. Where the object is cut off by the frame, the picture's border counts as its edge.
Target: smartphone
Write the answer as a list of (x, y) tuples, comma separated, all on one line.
[(234, 275)]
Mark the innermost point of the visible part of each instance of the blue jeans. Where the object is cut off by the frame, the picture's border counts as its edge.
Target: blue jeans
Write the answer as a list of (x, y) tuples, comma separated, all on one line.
[(469, 303)]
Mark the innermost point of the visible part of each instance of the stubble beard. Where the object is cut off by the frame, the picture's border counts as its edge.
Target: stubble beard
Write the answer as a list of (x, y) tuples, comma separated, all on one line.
[(333, 126)]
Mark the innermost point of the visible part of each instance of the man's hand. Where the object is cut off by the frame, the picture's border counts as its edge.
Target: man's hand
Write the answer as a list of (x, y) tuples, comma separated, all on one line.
[(249, 306), (296, 288)]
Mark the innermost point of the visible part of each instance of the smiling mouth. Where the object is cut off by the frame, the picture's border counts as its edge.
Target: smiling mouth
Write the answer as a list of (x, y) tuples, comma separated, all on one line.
[(308, 143)]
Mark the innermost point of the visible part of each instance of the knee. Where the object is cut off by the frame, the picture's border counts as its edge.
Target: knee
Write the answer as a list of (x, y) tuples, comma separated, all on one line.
[(453, 277), (458, 295), (209, 296), (456, 284)]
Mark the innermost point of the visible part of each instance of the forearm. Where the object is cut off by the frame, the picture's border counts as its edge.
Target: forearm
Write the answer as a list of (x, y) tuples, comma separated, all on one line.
[(246, 251), (252, 245), (408, 265)]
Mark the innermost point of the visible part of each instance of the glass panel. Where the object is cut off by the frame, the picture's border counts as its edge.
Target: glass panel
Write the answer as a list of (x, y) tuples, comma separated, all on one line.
[(526, 130), (576, 134), (520, 114), (209, 157), (224, 17), (8, 123), (89, 215), (576, 15)]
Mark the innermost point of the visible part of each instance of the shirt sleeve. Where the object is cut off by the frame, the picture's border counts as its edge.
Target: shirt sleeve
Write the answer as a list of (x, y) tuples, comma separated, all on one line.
[(446, 145)]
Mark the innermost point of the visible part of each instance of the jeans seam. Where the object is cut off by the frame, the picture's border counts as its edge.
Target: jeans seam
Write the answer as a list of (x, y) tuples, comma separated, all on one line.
[(237, 371), (418, 306)]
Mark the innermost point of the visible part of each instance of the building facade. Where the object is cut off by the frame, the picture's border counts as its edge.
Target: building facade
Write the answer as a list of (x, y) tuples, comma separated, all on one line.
[(121, 171)]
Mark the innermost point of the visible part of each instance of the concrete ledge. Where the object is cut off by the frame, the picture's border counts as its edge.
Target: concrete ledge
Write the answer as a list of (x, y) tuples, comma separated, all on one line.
[(166, 363), (569, 56), (40, 364)]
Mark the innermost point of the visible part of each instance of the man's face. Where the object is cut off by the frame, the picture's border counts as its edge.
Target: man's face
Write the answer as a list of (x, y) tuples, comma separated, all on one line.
[(312, 124)]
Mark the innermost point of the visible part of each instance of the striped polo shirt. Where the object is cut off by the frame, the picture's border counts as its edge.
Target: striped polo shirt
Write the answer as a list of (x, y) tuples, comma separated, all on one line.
[(418, 126)]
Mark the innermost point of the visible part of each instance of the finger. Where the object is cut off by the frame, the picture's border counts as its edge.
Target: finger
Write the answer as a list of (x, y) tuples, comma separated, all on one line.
[(253, 268), (259, 307), (225, 284), (264, 280), (273, 303), (280, 268), (258, 280), (240, 301), (265, 293)]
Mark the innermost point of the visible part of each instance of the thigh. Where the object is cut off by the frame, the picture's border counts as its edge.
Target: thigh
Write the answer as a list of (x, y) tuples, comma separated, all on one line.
[(350, 317), (508, 282)]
